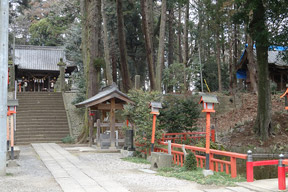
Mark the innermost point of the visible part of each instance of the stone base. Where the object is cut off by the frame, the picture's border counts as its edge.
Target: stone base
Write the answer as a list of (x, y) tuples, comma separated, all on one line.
[(126, 153), (16, 153), (207, 172), (12, 163), (160, 160), (112, 148)]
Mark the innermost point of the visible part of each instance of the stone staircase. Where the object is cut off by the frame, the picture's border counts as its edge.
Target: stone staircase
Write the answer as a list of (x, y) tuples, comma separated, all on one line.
[(41, 118)]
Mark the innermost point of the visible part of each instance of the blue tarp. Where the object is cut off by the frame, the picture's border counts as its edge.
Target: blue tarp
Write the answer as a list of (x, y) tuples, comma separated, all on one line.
[(272, 47), (241, 74)]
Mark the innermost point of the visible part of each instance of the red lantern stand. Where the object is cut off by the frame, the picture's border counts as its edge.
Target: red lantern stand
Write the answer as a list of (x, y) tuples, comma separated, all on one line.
[(208, 107), (10, 130), (155, 106)]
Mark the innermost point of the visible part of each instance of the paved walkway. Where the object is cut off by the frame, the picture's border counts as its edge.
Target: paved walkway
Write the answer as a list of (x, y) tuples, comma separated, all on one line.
[(74, 175), (71, 174)]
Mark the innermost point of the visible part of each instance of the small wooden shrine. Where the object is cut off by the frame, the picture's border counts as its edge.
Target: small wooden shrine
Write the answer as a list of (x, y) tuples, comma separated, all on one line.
[(109, 99)]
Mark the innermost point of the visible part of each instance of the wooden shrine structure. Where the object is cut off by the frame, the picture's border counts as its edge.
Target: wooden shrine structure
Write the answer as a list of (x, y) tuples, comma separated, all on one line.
[(278, 67), (35, 67), (109, 99)]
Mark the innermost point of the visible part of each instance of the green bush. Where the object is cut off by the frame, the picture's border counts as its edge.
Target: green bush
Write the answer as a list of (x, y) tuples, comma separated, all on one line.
[(179, 114), (68, 139), (139, 116), (190, 162)]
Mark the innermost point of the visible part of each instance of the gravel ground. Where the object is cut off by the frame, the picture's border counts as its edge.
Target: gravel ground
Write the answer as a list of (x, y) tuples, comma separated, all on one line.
[(129, 175), (30, 176)]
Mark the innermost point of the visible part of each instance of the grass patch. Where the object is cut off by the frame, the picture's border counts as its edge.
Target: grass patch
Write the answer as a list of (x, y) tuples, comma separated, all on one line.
[(220, 179), (9, 174), (136, 160)]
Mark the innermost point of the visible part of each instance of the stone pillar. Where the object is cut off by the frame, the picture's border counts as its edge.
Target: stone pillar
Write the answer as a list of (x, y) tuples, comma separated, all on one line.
[(137, 81), (61, 78)]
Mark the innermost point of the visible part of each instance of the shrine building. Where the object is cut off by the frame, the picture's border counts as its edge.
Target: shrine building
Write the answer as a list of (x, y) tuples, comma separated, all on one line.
[(36, 67)]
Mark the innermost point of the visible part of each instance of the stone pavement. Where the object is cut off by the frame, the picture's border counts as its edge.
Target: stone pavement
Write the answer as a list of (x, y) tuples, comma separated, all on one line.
[(74, 175), (71, 174)]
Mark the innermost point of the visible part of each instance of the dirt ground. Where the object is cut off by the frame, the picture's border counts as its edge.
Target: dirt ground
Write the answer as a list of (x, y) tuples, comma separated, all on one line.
[(235, 128)]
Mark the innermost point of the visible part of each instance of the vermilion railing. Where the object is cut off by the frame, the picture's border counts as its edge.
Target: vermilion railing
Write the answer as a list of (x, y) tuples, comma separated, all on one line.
[(180, 137), (282, 170), (229, 166)]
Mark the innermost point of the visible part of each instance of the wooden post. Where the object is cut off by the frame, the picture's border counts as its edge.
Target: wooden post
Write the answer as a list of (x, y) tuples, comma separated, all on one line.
[(8, 134), (98, 134), (91, 128), (207, 140), (281, 174), (233, 167), (12, 137), (153, 133), (49, 83), (112, 124), (249, 167)]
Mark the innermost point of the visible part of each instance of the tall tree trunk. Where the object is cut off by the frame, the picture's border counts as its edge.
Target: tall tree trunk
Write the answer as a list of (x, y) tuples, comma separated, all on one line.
[(91, 26), (160, 57), (231, 66), (122, 48), (251, 64), (113, 57), (171, 33), (180, 58), (259, 33), (148, 45), (150, 20), (218, 60), (106, 45), (185, 58)]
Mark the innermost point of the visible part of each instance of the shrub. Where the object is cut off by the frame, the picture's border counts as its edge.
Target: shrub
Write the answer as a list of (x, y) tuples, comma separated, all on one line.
[(178, 114), (190, 162), (139, 116), (68, 139)]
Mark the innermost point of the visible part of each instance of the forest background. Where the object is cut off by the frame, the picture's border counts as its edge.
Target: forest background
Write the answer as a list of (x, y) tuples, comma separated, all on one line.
[(169, 43)]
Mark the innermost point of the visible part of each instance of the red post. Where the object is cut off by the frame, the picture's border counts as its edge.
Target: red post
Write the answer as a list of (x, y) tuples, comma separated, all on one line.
[(249, 167), (153, 133), (127, 122), (213, 134), (281, 174), (233, 167), (207, 140)]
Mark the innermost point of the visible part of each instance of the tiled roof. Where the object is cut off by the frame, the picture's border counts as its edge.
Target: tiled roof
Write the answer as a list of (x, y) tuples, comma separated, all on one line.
[(112, 91), (38, 57)]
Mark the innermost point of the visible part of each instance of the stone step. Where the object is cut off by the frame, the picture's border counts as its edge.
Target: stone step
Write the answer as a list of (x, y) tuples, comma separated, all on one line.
[(35, 123), (43, 107), (38, 102), (42, 128), (36, 132), (29, 141), (41, 117), (38, 93), (42, 113), (41, 136), (21, 120)]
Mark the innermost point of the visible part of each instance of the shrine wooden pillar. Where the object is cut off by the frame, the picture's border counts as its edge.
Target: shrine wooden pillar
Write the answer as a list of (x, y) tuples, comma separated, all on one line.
[(112, 124), (49, 79)]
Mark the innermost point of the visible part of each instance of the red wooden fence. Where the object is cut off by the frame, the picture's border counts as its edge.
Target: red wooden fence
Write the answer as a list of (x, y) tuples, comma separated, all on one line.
[(180, 137), (215, 164)]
